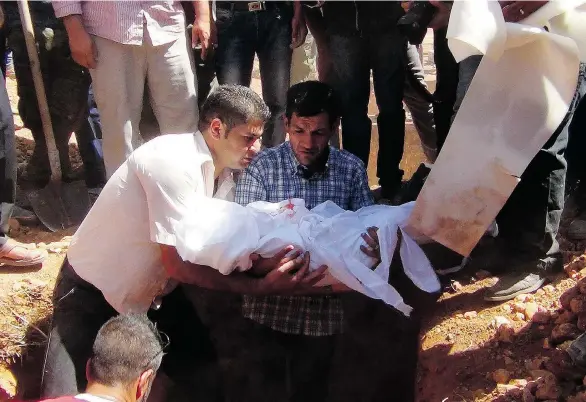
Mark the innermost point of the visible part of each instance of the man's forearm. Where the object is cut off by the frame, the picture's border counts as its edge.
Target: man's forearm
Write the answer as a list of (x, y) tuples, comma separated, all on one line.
[(73, 24), (202, 10)]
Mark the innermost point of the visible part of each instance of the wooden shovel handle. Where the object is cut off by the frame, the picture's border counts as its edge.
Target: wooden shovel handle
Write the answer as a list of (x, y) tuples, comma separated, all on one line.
[(31, 47)]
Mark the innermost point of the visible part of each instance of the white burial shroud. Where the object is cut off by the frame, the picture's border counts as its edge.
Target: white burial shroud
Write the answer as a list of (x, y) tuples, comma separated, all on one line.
[(519, 96), (223, 235)]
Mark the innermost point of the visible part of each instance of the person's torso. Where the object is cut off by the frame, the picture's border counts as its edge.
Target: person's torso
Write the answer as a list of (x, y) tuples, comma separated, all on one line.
[(333, 184), (128, 22), (362, 17), (113, 249)]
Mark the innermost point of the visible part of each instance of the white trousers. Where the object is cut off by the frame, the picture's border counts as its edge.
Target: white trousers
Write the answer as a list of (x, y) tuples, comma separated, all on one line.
[(119, 83)]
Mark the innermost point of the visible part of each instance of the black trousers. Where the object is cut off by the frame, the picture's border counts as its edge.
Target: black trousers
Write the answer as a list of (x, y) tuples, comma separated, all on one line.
[(80, 310)]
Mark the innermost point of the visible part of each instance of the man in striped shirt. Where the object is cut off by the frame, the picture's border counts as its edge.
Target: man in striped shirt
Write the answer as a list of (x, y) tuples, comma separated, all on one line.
[(129, 46)]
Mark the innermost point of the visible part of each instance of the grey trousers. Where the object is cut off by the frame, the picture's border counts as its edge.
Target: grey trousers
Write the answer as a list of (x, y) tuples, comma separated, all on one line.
[(7, 161), (421, 109)]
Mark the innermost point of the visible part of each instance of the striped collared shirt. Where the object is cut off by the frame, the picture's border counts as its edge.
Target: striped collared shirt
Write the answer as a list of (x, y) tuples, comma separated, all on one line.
[(276, 175), (128, 22)]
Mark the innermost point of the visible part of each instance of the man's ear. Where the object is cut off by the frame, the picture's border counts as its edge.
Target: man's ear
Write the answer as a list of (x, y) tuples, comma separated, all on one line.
[(87, 370), (144, 382), (216, 128), (287, 122)]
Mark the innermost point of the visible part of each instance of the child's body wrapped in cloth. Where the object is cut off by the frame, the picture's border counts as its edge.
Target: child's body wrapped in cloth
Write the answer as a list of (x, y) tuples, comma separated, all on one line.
[(223, 235)]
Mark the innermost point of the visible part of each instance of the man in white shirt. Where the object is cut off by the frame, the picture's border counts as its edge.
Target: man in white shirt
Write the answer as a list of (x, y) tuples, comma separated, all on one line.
[(122, 258)]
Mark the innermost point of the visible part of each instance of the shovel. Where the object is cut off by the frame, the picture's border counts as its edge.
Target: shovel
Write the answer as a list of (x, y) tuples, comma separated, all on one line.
[(58, 205)]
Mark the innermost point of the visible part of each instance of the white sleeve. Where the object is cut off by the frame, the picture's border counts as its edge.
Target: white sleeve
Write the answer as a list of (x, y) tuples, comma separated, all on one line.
[(170, 193)]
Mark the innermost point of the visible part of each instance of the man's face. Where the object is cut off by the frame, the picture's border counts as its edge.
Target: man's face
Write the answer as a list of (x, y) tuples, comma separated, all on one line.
[(240, 145), (309, 136)]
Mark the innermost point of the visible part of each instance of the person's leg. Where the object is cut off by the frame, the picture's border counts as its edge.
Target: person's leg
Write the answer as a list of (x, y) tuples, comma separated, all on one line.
[(37, 167), (236, 46), (317, 27), (66, 95), (78, 313), (530, 219), (418, 101), (387, 55), (7, 162), (205, 72), (351, 79), (190, 360), (466, 71), (88, 137), (118, 84), (171, 83), (274, 57), (446, 85)]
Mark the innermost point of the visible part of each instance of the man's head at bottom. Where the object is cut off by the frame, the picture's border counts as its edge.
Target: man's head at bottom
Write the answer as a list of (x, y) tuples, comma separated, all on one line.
[(232, 120), (125, 358), (313, 113)]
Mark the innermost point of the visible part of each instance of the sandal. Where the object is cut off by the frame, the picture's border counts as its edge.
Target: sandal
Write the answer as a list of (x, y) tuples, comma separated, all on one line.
[(18, 254)]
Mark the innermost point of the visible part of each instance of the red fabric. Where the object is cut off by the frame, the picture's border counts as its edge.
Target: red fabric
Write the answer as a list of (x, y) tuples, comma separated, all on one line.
[(61, 399)]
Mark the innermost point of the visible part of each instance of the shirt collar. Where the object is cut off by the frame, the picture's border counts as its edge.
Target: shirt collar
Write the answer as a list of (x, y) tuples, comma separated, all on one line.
[(204, 158), (298, 169)]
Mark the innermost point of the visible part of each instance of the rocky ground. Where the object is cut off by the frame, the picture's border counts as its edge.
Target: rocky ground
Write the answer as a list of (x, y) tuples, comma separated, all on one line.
[(470, 350)]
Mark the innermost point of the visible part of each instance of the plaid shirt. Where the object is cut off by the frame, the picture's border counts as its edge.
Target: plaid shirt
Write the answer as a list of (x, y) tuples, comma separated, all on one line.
[(276, 175)]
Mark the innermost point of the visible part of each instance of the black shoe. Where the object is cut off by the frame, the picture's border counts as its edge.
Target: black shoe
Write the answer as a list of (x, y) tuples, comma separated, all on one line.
[(523, 278)]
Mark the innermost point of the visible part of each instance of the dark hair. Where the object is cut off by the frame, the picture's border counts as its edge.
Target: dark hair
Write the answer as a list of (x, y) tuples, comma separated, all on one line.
[(310, 98), (126, 346), (233, 105)]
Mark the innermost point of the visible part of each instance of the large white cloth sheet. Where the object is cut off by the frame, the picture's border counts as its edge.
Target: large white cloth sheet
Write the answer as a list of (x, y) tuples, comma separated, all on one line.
[(223, 235)]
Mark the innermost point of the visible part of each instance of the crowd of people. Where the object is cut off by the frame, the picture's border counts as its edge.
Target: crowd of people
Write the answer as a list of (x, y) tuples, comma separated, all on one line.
[(126, 72)]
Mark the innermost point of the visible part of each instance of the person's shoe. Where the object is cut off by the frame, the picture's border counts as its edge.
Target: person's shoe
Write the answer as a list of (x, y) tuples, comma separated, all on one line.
[(511, 285), (17, 254), (24, 216), (577, 228)]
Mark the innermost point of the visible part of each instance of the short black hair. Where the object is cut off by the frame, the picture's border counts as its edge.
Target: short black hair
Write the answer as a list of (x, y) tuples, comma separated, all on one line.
[(126, 346), (310, 98), (233, 105)]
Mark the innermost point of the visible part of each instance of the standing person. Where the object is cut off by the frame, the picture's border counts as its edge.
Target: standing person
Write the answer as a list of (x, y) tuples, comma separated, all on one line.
[(126, 44), (363, 37), (529, 221), (269, 29), (66, 85), (12, 253)]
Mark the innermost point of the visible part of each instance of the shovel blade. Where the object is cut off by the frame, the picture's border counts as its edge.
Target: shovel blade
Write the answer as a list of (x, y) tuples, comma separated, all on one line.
[(60, 205)]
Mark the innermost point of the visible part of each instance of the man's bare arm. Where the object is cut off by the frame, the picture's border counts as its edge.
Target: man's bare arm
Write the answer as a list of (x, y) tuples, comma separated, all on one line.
[(280, 280), (83, 49)]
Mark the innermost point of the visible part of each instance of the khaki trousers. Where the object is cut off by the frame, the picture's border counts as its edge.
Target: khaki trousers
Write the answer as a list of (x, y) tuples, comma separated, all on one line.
[(119, 83)]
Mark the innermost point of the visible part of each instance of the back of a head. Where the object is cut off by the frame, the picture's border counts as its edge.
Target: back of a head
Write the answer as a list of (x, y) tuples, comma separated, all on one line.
[(310, 98), (125, 347), (233, 105)]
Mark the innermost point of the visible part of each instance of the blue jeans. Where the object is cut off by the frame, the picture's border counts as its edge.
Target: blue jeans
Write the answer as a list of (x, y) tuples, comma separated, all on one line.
[(353, 57), (267, 33), (530, 220)]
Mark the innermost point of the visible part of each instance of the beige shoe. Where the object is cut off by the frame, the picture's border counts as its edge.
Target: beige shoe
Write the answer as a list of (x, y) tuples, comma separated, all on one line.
[(18, 254)]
